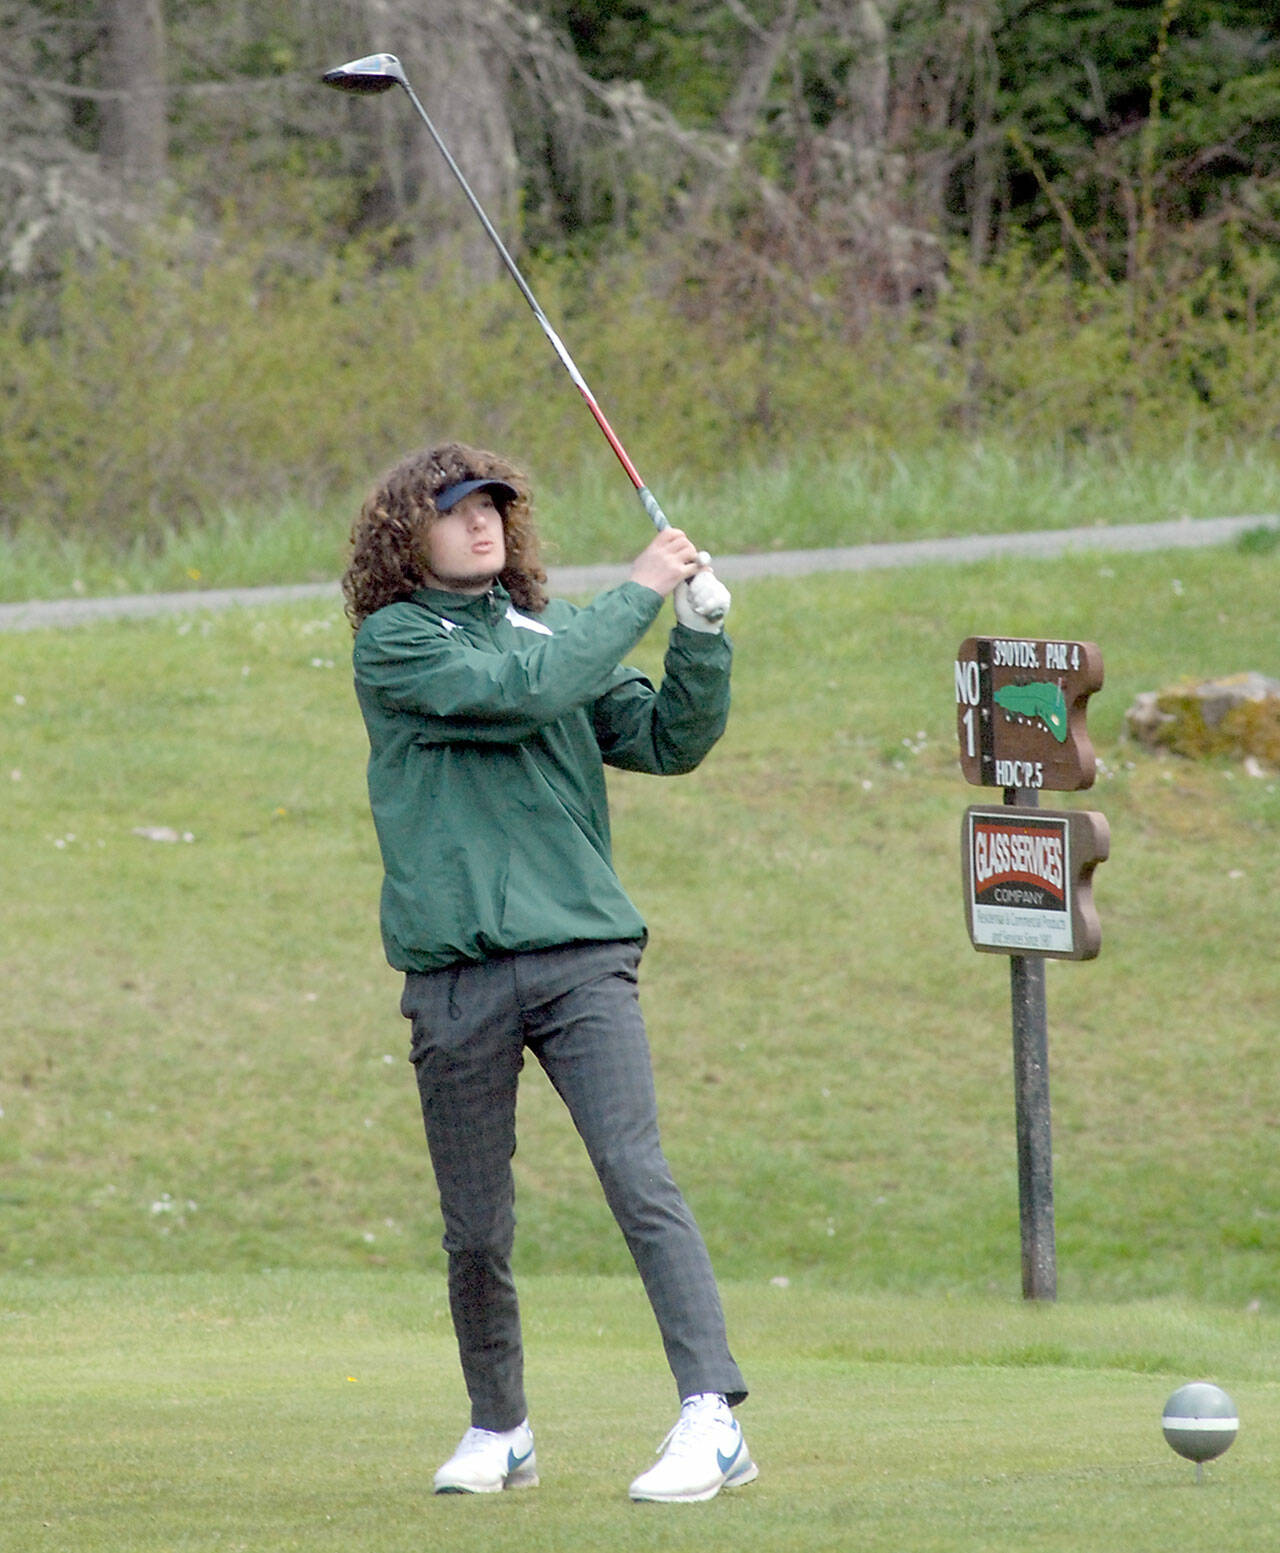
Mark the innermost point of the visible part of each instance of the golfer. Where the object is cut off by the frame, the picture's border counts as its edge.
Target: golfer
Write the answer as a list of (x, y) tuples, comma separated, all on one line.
[(491, 712)]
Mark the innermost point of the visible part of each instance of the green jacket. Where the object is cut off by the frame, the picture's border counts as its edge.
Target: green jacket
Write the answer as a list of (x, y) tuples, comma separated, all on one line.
[(488, 734)]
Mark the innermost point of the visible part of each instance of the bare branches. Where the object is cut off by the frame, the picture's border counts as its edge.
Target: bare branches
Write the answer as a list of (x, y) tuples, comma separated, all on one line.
[(856, 141), (169, 91), (47, 207)]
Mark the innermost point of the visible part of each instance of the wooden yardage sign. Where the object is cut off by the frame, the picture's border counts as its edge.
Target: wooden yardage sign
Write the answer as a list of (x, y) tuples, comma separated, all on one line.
[(1020, 712)]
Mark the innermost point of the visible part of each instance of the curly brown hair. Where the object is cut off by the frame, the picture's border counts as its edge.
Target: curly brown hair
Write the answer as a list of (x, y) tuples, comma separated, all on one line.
[(388, 537)]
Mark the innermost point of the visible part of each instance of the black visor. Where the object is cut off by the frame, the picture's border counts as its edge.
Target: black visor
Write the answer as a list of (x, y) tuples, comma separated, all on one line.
[(453, 494)]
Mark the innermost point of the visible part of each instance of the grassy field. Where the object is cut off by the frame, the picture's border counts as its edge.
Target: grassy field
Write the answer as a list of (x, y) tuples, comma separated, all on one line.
[(204, 1065), (287, 1411), (214, 1201)]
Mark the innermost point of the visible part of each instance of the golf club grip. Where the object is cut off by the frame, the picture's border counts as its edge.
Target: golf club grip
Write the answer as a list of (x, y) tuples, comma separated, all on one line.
[(650, 504)]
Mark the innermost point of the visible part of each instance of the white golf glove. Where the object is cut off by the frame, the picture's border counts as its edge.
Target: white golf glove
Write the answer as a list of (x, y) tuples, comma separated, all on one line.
[(703, 601)]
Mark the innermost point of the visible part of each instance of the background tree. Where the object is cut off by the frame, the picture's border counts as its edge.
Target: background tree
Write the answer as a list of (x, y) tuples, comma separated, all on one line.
[(133, 138), (873, 134), (452, 54), (959, 188)]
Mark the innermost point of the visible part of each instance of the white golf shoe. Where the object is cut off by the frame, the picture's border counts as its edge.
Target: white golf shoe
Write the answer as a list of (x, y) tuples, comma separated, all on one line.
[(704, 1453), (486, 1463)]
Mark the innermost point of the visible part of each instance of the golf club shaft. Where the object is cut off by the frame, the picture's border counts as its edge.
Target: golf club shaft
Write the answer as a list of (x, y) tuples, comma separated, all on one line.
[(647, 498)]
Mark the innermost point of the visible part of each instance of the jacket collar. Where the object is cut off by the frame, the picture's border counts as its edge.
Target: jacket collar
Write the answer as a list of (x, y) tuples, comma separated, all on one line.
[(441, 602)]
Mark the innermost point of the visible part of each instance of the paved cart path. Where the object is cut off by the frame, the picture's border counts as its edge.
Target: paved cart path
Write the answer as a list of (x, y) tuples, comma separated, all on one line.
[(1177, 534)]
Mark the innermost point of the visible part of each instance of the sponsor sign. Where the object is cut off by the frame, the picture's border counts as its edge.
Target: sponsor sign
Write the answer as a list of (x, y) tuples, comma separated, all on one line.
[(1020, 712), (1028, 875)]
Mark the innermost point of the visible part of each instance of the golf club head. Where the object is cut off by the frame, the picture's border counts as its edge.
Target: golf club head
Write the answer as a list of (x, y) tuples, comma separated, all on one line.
[(373, 73)]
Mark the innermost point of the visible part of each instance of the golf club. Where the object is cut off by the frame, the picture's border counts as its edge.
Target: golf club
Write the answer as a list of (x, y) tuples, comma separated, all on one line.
[(379, 73)]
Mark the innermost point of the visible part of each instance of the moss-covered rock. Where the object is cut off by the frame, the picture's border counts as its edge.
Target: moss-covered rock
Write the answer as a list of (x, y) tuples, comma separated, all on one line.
[(1237, 716)]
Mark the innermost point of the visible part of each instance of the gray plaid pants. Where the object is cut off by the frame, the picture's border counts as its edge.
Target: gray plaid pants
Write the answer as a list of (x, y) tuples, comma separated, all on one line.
[(577, 1009)]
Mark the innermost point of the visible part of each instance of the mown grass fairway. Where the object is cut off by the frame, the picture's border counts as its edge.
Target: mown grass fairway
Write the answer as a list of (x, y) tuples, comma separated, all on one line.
[(203, 1086), (307, 1411)]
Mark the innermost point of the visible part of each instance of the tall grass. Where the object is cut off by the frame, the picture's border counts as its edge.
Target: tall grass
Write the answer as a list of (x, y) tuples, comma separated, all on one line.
[(590, 514)]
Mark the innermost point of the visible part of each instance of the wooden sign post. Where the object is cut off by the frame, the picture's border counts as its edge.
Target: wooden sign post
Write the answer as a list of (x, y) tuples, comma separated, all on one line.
[(1020, 718)]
